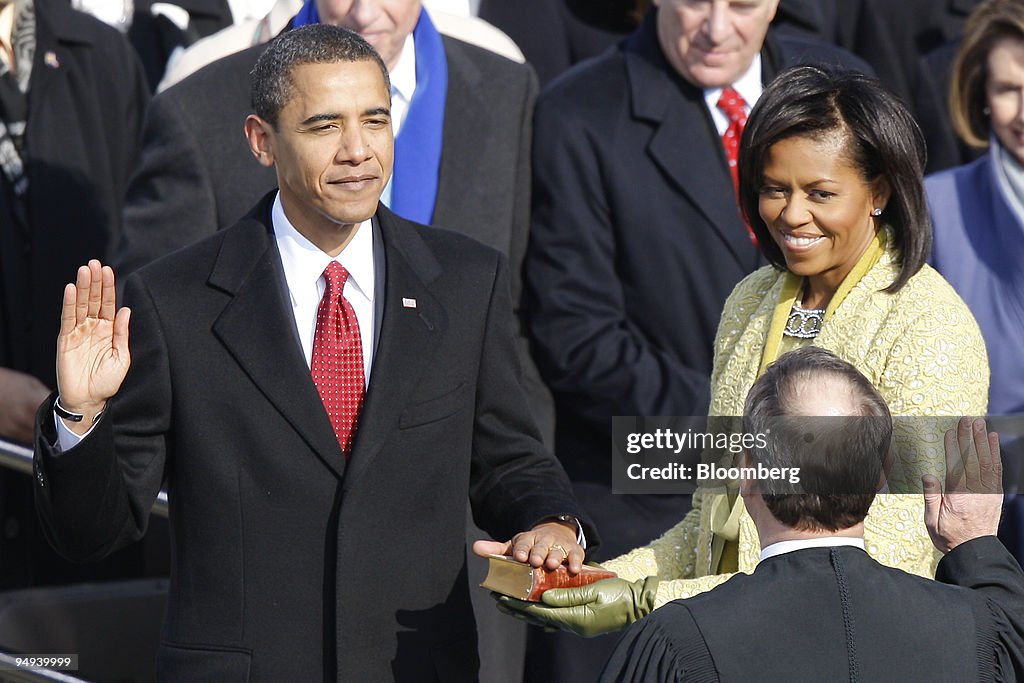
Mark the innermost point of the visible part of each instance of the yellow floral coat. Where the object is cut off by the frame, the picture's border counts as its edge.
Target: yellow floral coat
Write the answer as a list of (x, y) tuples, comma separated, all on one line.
[(922, 350)]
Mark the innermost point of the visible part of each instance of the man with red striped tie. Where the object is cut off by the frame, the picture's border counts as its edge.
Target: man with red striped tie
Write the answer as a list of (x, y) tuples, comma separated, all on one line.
[(321, 386)]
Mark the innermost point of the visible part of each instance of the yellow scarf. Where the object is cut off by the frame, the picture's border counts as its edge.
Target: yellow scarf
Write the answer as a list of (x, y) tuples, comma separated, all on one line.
[(792, 284)]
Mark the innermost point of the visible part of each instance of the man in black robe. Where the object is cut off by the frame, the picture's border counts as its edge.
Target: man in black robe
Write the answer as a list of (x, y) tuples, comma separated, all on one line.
[(818, 607)]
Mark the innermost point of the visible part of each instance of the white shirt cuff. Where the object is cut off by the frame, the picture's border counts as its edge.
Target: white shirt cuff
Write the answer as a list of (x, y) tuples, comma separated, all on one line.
[(581, 538), (67, 439)]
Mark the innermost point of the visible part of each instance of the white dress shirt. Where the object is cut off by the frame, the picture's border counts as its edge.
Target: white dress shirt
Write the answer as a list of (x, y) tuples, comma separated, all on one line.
[(304, 265), (749, 87), (403, 87)]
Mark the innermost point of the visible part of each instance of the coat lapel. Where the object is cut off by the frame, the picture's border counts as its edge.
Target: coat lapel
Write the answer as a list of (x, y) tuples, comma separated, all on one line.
[(50, 63), (684, 143), (258, 329), (408, 337), (465, 158), (464, 136)]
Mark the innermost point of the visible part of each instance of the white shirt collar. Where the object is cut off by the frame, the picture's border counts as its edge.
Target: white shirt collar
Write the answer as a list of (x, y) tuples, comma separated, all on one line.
[(783, 547), (403, 86), (403, 83), (304, 264), (749, 86)]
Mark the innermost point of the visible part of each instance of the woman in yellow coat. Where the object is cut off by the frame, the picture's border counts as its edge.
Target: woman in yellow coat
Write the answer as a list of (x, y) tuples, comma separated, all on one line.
[(831, 183)]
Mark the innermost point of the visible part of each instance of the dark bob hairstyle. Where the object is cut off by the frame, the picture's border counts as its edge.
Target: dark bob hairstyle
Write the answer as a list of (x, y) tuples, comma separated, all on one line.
[(882, 141)]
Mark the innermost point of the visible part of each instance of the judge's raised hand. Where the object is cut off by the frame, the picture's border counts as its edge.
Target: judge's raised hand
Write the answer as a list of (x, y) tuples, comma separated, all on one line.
[(972, 502), (92, 347)]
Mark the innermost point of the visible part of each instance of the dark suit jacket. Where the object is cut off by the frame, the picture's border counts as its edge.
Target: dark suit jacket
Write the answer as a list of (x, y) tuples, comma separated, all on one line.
[(155, 37), (551, 37), (636, 241), (291, 564), (920, 26), (82, 143), (835, 614), (851, 25), (197, 174)]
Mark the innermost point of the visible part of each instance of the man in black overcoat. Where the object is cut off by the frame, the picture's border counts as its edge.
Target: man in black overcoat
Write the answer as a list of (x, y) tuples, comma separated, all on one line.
[(298, 554)]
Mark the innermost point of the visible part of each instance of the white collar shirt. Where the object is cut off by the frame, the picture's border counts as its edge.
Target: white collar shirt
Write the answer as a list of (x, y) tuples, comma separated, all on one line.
[(304, 265), (403, 84), (783, 547), (403, 87), (749, 87)]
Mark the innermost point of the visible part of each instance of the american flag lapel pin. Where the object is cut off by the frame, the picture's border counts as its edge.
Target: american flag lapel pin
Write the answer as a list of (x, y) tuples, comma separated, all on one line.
[(408, 303), (50, 59)]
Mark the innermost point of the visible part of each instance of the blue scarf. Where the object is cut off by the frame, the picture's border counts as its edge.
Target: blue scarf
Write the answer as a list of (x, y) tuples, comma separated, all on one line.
[(418, 145)]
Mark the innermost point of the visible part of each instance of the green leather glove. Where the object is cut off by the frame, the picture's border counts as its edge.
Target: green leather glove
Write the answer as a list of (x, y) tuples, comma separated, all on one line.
[(602, 607)]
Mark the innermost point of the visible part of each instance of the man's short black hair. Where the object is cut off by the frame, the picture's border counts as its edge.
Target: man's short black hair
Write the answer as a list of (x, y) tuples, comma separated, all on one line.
[(840, 457), (272, 85)]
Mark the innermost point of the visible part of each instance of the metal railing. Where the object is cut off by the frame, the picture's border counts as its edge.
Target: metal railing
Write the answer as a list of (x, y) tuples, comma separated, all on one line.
[(18, 457)]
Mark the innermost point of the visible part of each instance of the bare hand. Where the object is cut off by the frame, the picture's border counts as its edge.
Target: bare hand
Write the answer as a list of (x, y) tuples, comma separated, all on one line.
[(973, 500), (548, 545), (20, 397), (92, 347)]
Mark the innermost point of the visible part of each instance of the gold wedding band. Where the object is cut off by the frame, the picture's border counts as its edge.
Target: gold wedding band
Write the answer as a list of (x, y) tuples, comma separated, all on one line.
[(565, 553)]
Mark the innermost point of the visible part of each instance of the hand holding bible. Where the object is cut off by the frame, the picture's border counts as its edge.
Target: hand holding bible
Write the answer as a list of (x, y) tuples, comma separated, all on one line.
[(92, 347), (591, 610)]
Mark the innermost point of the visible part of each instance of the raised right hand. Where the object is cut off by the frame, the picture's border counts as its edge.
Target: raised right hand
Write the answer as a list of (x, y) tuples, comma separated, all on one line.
[(92, 347)]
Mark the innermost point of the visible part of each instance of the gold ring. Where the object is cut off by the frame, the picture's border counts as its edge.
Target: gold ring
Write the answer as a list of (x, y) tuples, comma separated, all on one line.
[(565, 554)]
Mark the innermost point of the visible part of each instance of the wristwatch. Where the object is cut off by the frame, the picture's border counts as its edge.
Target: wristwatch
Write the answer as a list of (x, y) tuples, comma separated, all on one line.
[(70, 416)]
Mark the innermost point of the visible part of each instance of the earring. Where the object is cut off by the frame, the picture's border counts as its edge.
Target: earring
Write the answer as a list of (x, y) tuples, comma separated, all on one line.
[(876, 211), (987, 111)]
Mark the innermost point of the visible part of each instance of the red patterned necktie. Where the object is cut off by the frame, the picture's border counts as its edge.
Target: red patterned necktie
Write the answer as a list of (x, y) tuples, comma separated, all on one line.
[(337, 364), (735, 108)]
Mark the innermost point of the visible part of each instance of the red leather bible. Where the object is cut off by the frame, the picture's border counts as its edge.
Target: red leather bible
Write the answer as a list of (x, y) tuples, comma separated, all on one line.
[(520, 580)]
